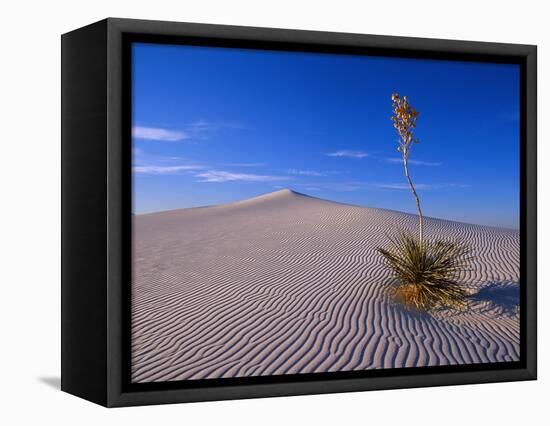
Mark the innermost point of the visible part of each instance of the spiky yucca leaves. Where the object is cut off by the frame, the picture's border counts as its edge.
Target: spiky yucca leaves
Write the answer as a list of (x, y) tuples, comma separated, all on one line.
[(427, 272)]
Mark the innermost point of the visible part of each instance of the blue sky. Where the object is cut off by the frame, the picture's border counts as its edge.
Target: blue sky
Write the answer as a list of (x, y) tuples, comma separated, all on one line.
[(215, 125)]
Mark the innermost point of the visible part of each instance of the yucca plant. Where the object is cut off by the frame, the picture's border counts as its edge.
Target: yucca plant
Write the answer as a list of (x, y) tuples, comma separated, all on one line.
[(427, 273)]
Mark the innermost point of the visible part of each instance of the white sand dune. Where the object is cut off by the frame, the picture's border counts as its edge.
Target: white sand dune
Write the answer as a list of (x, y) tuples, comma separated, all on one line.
[(285, 283)]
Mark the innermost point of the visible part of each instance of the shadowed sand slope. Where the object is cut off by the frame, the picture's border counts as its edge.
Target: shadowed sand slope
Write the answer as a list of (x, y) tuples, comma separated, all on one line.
[(285, 283)]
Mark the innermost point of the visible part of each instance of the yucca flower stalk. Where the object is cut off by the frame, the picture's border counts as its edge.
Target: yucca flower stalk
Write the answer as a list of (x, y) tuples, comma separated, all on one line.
[(404, 120)]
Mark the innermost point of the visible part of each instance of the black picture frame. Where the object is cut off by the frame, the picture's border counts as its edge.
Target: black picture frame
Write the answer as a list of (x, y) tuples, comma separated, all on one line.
[(96, 213)]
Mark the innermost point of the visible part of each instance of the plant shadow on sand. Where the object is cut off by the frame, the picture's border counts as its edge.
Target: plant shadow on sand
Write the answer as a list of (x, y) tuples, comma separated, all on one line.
[(501, 296)]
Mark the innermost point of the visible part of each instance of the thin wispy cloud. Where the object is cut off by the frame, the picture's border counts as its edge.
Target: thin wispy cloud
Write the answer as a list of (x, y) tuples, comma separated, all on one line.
[(420, 186), (347, 188), (201, 130), (205, 129), (414, 162), (158, 134), (304, 172), (206, 125), (338, 186), (245, 164), (165, 170), (348, 154), (147, 164), (221, 176), (457, 185), (403, 186), (197, 130), (202, 125)]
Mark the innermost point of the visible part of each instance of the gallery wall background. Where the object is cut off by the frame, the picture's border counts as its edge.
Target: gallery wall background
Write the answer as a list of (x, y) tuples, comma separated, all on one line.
[(30, 176)]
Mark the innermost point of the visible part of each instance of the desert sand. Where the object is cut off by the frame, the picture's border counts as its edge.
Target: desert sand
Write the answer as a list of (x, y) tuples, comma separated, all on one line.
[(286, 283)]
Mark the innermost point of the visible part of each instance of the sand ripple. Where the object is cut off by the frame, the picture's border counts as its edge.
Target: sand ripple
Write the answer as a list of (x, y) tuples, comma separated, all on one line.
[(286, 283)]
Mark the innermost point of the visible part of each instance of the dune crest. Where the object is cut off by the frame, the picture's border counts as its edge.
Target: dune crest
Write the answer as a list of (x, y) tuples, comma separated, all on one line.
[(280, 198), (286, 283)]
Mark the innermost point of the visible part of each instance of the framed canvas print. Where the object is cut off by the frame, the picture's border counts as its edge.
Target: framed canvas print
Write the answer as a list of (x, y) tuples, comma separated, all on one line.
[(252, 212)]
